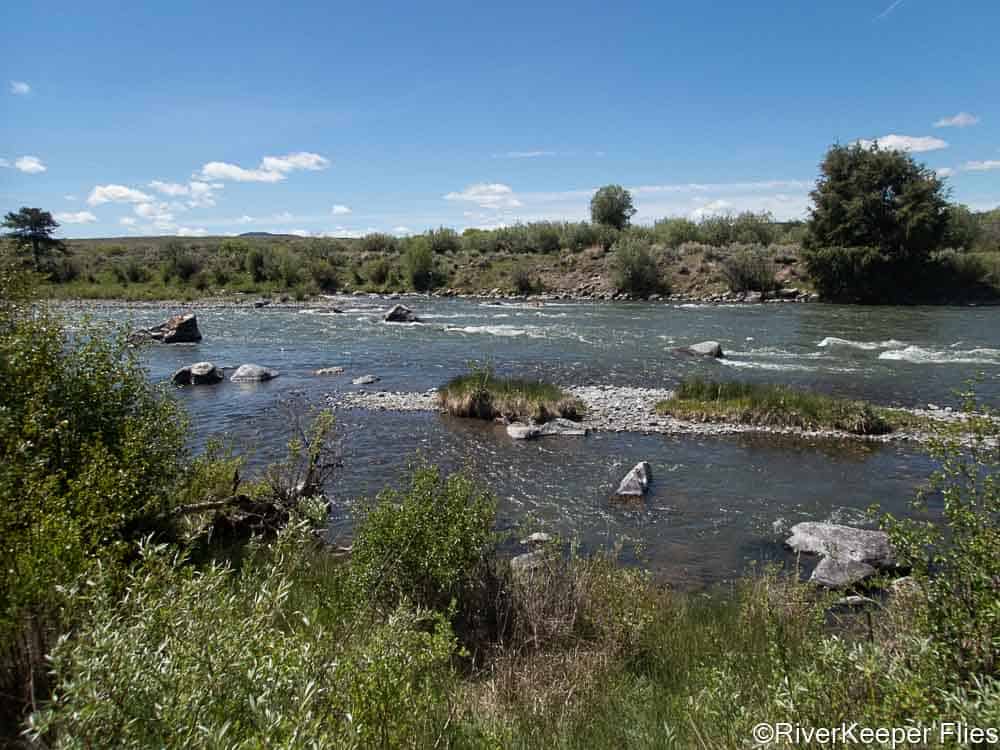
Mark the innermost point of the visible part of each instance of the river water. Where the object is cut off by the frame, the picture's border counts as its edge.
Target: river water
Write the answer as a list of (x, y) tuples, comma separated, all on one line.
[(716, 504)]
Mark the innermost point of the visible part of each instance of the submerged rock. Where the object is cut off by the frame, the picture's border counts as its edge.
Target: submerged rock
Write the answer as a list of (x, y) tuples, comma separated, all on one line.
[(401, 314), (366, 380), (253, 374), (200, 373), (539, 537), (636, 482), (520, 431), (838, 573), (561, 426), (330, 371), (704, 349), (179, 329)]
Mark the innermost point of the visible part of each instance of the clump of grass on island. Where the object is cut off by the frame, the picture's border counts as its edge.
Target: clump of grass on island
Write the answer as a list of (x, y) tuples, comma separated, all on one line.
[(777, 406), (482, 395)]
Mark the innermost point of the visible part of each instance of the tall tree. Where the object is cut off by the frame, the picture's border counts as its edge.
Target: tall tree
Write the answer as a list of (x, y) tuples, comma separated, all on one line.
[(612, 205), (32, 228), (867, 196)]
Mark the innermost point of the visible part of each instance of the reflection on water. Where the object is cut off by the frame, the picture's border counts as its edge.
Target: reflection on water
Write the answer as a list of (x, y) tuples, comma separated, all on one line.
[(715, 503)]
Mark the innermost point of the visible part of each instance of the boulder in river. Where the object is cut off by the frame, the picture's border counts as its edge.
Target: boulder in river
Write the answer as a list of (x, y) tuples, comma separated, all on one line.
[(521, 431), (401, 314), (366, 380), (636, 482), (839, 573), (179, 329), (253, 374), (539, 537), (200, 373), (704, 349), (330, 371), (843, 543)]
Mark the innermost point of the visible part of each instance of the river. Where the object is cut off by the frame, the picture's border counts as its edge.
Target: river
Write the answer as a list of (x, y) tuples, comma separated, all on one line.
[(715, 505)]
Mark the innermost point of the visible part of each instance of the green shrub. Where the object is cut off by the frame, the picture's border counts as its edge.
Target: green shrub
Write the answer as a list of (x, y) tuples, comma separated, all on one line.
[(213, 658), (633, 268), (424, 545), (606, 236), (579, 236), (482, 395), (443, 240), (612, 205), (378, 242), (325, 275), (675, 232), (852, 274), (749, 271), (418, 263), (255, 264), (377, 271), (180, 264), (544, 237), (522, 280)]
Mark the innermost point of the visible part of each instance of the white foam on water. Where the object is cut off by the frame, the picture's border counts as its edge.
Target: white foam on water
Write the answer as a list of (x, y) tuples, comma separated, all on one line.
[(919, 355), (865, 345), (501, 330), (766, 366)]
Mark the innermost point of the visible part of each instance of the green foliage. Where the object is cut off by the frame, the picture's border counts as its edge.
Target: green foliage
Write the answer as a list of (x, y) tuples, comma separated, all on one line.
[(612, 205), (31, 229), (675, 232), (545, 237), (443, 240), (963, 229), (522, 280), (418, 264), (749, 271), (579, 236), (377, 271), (180, 263), (872, 197), (425, 545), (634, 269), (255, 264), (954, 560), (213, 658), (778, 405), (378, 242)]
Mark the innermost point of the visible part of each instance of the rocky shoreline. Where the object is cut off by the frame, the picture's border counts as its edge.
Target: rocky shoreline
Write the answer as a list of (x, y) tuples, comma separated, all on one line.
[(628, 409)]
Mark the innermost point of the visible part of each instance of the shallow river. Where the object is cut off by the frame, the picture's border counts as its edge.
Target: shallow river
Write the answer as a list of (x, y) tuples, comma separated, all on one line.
[(715, 504)]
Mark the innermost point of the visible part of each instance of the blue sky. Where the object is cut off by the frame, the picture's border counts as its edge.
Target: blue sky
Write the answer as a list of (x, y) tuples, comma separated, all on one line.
[(344, 118)]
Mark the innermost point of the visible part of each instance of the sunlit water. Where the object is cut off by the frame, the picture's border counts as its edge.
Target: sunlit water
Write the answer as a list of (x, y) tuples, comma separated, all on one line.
[(715, 504)]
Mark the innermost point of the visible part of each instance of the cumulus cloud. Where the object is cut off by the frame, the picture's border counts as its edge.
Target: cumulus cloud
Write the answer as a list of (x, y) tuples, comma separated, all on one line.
[(191, 232), (200, 194), (981, 166), (493, 195), (300, 232), (944, 172), (961, 120), (913, 143), (715, 208), (29, 164), (116, 194), (79, 217), (401, 231), (127, 221), (340, 210), (271, 169), (19, 88)]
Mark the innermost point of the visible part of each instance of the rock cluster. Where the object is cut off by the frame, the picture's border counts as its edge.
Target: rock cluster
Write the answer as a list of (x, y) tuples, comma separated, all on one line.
[(848, 555), (251, 373), (180, 329), (200, 373)]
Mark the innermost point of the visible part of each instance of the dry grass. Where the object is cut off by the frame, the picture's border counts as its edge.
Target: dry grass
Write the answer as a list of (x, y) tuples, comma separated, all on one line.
[(482, 395)]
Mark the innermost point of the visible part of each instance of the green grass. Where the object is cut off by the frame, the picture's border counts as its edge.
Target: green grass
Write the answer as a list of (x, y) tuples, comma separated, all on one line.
[(778, 406), (482, 395)]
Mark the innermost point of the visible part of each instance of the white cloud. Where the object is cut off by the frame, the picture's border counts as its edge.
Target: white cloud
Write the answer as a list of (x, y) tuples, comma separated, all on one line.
[(200, 194), (30, 164), (220, 170), (4, 163), (487, 195), (888, 10), (981, 166), (169, 188), (961, 120), (340, 210), (80, 217), (69, 197), (116, 194), (291, 162), (401, 230), (915, 143), (300, 232), (191, 232), (944, 172), (127, 221), (714, 208), (245, 220), (271, 169), (19, 88), (523, 154), (160, 214)]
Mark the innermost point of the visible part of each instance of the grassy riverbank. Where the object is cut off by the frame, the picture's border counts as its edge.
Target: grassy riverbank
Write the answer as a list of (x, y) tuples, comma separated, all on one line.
[(482, 395), (767, 405)]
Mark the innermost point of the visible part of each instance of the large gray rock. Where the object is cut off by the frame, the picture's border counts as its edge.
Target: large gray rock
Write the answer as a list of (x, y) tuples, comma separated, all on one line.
[(366, 380), (180, 329), (837, 573), (253, 374), (519, 431), (704, 349), (843, 543), (636, 482), (200, 373), (401, 314)]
